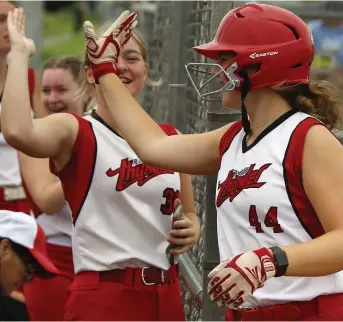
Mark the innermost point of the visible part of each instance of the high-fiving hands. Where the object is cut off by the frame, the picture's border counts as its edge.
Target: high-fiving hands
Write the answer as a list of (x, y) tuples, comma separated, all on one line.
[(103, 49)]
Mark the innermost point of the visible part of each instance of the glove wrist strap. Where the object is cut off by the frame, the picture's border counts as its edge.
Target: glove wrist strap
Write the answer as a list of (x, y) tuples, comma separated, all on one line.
[(281, 260), (103, 69)]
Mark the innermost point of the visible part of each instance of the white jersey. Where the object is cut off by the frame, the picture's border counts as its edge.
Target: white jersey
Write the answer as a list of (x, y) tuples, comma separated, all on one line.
[(57, 227), (9, 165), (121, 207), (261, 203)]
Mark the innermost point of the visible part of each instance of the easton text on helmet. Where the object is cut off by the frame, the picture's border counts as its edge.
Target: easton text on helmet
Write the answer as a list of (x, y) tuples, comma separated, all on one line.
[(270, 53)]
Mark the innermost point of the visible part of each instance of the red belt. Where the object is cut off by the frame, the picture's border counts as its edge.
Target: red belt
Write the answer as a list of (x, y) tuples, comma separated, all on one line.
[(129, 276), (287, 312), (146, 275)]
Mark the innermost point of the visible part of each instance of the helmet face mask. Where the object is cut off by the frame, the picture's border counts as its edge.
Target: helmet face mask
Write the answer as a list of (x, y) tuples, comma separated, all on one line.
[(270, 37), (210, 89)]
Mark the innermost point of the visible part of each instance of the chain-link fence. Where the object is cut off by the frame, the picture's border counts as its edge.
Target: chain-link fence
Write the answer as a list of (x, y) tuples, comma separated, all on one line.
[(177, 27)]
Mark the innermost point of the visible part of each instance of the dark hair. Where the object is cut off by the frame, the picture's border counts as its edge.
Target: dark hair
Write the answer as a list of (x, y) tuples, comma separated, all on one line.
[(71, 63), (321, 99), (27, 258), (20, 250)]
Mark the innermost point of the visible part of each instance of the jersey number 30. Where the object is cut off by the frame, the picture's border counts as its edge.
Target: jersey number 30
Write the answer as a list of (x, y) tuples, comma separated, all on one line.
[(171, 195), (270, 220)]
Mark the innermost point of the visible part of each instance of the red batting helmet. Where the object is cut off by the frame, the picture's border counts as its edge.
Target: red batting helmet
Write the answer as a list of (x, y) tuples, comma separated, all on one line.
[(273, 38)]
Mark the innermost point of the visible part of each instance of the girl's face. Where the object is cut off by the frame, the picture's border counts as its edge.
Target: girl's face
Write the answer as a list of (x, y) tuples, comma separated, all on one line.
[(230, 99), (132, 68), (58, 91), (5, 8)]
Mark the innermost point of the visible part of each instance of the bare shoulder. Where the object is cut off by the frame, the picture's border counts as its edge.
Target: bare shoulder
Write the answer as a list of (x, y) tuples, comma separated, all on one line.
[(57, 117), (322, 147), (61, 120), (320, 138), (218, 133), (62, 125)]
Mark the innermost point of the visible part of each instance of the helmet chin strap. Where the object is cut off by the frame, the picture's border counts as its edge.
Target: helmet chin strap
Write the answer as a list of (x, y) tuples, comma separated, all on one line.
[(245, 88)]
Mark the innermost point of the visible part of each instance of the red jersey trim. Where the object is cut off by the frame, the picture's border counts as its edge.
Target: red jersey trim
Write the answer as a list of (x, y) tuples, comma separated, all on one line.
[(77, 174), (168, 129), (292, 165)]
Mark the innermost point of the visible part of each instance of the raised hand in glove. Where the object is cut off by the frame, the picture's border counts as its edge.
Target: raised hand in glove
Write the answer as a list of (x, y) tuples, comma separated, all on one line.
[(103, 50), (233, 281)]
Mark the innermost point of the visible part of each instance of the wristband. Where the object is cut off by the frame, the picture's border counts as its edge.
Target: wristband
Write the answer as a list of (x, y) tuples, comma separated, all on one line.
[(103, 69), (281, 260)]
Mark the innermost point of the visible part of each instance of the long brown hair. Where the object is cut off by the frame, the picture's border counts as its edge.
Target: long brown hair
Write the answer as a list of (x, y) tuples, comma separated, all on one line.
[(71, 63), (320, 99)]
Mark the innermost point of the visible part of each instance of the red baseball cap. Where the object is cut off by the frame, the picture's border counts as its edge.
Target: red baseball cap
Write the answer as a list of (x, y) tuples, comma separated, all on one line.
[(23, 230)]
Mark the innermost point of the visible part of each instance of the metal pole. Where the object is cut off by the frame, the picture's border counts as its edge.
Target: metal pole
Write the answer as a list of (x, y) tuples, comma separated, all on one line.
[(177, 85), (217, 117), (191, 277)]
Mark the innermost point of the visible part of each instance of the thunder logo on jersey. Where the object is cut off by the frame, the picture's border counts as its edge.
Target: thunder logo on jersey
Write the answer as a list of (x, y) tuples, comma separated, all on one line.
[(133, 171), (237, 181)]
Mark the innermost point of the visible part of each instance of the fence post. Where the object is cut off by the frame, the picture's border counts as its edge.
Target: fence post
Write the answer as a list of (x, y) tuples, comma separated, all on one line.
[(177, 81), (217, 117), (34, 27)]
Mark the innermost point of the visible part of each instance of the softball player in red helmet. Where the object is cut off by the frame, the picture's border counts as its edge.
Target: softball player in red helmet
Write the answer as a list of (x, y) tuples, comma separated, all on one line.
[(122, 208), (280, 174)]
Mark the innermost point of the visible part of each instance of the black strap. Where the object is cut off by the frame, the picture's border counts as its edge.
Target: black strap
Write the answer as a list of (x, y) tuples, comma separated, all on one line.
[(246, 85)]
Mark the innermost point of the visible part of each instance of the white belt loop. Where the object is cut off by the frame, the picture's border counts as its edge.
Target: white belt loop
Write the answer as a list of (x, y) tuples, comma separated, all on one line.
[(12, 193)]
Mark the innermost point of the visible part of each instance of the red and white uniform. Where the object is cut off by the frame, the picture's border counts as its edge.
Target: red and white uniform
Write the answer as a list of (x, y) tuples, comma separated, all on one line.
[(261, 203), (9, 165), (117, 202), (12, 193), (121, 219)]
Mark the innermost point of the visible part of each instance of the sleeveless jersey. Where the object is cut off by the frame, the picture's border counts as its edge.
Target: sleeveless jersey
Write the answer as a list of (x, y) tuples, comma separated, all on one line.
[(121, 207), (9, 165), (261, 203), (57, 227)]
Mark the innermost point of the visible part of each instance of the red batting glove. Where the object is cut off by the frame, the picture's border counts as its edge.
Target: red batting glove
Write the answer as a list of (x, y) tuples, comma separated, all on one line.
[(103, 50), (233, 281)]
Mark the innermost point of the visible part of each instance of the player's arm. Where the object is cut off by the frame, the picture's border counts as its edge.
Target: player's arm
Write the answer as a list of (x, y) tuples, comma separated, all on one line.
[(44, 188), (41, 138), (185, 232), (193, 154), (323, 183)]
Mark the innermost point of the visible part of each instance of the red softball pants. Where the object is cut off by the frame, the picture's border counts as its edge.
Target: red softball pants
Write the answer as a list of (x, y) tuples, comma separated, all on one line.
[(46, 299), (321, 308), (121, 295), (19, 205)]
